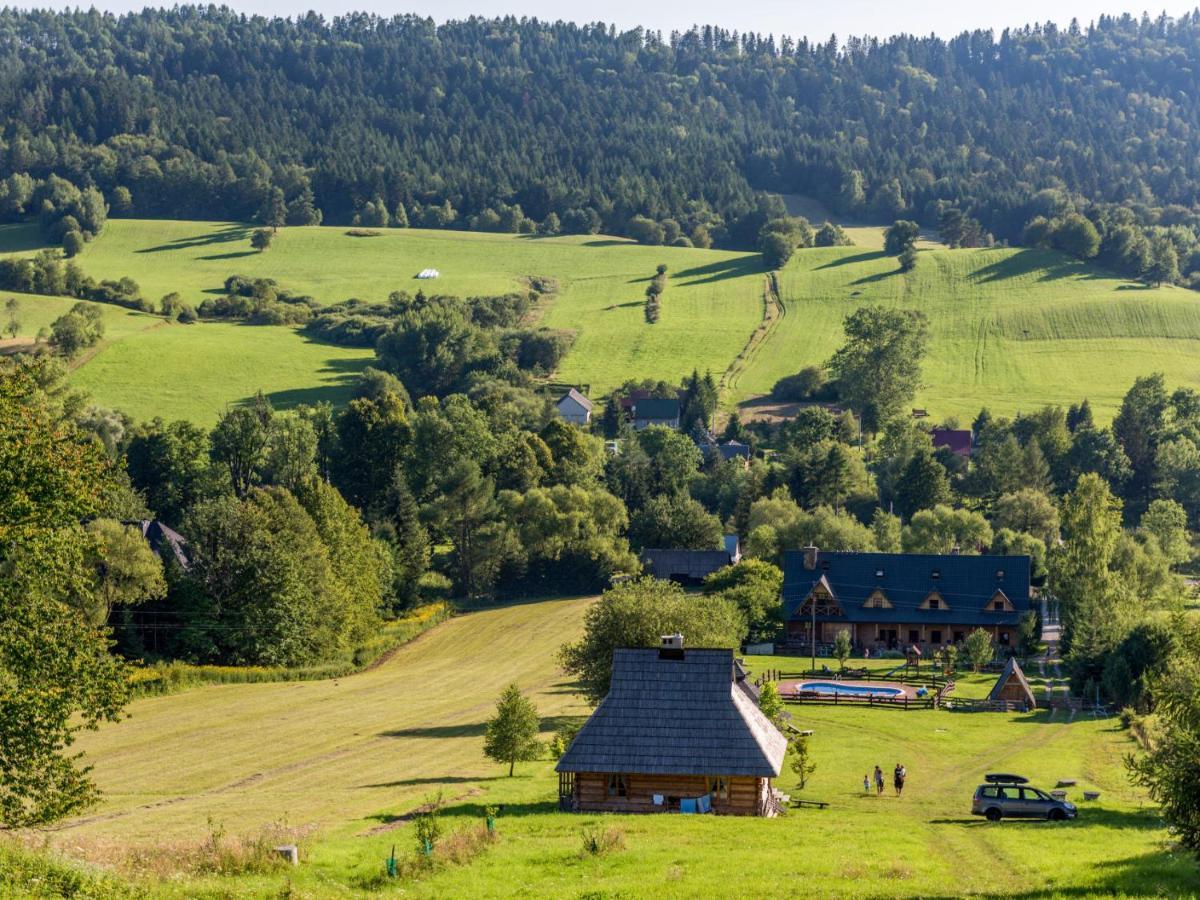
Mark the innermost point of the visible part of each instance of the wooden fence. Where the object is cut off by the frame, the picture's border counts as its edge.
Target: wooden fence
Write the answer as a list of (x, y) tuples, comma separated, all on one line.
[(965, 704), (931, 701)]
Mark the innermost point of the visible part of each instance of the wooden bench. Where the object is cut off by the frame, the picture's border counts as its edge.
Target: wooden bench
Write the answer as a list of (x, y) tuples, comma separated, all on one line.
[(815, 804), (1091, 795)]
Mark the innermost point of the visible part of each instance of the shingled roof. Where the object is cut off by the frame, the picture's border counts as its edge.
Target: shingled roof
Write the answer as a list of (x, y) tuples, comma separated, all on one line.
[(966, 586), (577, 397), (676, 714), (1012, 670), (163, 539)]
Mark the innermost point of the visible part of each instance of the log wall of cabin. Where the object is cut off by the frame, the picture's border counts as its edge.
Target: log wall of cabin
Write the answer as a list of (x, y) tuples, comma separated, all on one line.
[(591, 793)]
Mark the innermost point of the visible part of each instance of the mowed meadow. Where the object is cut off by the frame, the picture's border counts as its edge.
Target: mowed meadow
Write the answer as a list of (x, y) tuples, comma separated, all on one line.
[(1010, 329), (343, 764), (714, 300)]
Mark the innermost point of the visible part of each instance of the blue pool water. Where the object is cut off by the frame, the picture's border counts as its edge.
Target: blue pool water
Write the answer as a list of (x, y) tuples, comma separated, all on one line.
[(829, 687)]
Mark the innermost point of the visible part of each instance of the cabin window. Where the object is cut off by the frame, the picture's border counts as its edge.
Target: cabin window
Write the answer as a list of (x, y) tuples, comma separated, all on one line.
[(914, 636), (934, 602), (959, 637), (618, 785), (1004, 638), (935, 636), (998, 605), (718, 786)]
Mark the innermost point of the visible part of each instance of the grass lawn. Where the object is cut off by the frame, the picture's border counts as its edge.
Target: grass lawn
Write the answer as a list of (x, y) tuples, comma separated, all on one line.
[(712, 304), (349, 758), (149, 367), (1010, 329)]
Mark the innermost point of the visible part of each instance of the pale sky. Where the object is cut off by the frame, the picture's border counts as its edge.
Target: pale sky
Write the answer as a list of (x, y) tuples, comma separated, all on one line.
[(816, 19)]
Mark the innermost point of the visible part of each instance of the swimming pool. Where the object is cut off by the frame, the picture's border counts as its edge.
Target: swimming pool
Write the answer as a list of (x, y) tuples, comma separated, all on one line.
[(830, 687)]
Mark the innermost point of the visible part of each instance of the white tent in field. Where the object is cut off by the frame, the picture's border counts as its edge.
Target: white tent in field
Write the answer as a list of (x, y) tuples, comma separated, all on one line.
[(428, 273)]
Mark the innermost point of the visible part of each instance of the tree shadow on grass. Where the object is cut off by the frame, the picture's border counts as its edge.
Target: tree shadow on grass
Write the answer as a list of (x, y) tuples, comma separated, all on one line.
[(878, 276), (433, 780), (1151, 874), (236, 255), (609, 242), (504, 810), (719, 271), (1047, 264), (222, 236), (851, 260), (22, 237), (471, 729)]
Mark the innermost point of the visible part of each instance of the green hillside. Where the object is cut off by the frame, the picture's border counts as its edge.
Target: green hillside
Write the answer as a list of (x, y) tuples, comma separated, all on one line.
[(349, 758), (712, 303), (149, 367), (1011, 329)]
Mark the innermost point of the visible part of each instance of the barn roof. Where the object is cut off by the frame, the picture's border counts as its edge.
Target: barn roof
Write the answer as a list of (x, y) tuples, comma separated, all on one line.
[(162, 539), (579, 398), (656, 408), (676, 713), (957, 440), (1012, 670), (965, 585)]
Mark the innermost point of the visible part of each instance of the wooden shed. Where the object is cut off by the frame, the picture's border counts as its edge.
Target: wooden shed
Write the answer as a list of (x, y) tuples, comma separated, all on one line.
[(675, 733), (1012, 687)]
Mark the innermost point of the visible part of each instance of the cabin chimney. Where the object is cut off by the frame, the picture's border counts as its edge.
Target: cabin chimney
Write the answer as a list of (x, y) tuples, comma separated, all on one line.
[(810, 558), (671, 646)]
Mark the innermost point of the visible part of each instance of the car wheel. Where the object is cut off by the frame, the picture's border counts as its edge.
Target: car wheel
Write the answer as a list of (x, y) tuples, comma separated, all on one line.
[(993, 815), (1056, 815)]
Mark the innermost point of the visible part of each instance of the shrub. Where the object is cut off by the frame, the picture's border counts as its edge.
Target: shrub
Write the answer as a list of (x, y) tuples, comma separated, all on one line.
[(807, 384), (600, 840)]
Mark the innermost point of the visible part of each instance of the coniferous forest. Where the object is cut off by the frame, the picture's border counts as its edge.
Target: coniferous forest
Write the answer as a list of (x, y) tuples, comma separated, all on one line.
[(203, 112)]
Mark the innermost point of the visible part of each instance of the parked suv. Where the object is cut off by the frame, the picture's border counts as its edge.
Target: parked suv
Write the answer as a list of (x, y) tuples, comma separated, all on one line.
[(1011, 796)]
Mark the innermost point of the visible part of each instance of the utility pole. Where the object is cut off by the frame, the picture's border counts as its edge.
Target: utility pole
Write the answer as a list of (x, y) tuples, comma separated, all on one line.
[(812, 601)]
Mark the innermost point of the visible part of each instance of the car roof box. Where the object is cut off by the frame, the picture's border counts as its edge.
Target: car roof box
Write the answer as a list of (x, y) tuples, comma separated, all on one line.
[(1003, 778)]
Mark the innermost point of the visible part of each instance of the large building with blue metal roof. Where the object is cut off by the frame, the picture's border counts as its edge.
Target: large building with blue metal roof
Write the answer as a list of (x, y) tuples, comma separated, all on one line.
[(894, 600)]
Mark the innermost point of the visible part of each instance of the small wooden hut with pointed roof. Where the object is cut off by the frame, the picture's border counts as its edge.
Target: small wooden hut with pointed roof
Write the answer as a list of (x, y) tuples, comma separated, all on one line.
[(676, 732), (1012, 687)]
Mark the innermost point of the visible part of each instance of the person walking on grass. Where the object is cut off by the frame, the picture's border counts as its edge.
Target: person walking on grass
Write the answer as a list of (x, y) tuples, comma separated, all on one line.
[(866, 784), (898, 777), (878, 781)]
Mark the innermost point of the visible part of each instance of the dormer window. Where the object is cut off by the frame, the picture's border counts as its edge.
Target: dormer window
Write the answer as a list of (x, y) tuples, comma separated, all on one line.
[(878, 600), (999, 602), (934, 600)]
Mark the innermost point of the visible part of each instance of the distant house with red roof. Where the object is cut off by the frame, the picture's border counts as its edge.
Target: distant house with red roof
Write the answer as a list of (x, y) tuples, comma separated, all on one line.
[(957, 440)]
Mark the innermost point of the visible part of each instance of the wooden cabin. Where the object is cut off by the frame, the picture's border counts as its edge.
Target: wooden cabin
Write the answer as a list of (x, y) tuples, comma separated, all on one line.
[(1013, 687), (891, 601), (678, 731)]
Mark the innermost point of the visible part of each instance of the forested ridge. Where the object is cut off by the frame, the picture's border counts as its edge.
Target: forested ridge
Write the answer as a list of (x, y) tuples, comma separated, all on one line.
[(201, 112)]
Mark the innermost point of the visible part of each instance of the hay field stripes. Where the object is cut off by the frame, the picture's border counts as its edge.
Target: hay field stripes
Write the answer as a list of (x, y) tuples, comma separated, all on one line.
[(354, 757)]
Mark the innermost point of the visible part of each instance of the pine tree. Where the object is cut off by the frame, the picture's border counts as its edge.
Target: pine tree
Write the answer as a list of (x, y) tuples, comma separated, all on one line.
[(410, 540), (512, 734), (274, 210)]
